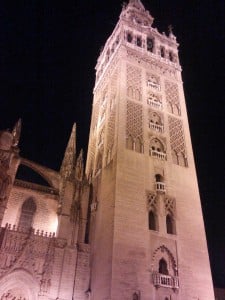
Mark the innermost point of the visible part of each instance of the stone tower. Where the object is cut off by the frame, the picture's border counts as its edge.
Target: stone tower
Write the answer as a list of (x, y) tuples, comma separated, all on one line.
[(146, 228)]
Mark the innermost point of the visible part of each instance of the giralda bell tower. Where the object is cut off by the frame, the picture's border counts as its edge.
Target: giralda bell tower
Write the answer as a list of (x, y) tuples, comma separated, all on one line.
[(146, 228)]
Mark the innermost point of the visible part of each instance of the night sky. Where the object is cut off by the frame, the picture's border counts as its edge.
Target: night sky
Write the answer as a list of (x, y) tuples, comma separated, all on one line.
[(48, 51)]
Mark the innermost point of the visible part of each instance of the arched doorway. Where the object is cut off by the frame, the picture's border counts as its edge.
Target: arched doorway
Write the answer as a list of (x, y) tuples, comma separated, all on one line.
[(18, 285)]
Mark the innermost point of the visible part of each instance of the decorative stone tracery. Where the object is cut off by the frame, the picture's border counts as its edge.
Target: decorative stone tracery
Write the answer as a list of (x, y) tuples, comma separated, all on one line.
[(172, 98), (134, 126), (152, 203), (170, 205), (177, 141), (153, 81), (134, 82)]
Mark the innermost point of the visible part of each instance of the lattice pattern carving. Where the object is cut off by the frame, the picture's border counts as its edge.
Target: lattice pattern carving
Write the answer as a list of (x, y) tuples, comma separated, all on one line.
[(152, 64), (177, 141), (170, 205), (152, 203), (114, 81), (172, 98), (111, 129), (134, 82), (134, 120)]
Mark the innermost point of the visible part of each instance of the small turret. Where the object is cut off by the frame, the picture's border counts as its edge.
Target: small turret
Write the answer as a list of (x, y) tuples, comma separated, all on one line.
[(16, 133), (79, 170), (68, 165)]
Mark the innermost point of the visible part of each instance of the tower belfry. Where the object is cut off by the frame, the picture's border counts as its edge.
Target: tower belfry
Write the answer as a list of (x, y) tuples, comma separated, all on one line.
[(146, 227)]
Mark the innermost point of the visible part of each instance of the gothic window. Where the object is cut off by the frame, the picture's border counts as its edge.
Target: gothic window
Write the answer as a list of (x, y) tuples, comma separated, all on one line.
[(170, 226), (163, 269), (175, 157), (157, 149), (153, 81), (170, 56), (155, 121), (159, 183), (156, 145), (135, 296), (138, 145), (130, 143), (182, 160), (107, 55), (27, 214), (162, 51), (137, 95), (129, 37), (152, 224), (130, 92), (139, 41), (150, 44), (154, 101)]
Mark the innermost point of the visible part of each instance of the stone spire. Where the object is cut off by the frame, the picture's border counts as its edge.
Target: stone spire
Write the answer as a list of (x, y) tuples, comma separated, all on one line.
[(79, 170), (137, 4), (135, 12), (69, 160), (16, 133)]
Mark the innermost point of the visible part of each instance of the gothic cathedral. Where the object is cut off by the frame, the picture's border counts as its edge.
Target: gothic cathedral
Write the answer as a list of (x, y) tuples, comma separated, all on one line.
[(131, 226)]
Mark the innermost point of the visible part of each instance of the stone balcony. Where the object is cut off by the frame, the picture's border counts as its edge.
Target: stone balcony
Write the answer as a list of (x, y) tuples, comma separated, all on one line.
[(155, 104), (160, 187), (161, 280), (156, 127), (158, 154)]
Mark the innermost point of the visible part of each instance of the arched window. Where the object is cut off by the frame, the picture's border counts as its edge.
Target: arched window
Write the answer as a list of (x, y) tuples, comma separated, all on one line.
[(158, 178), (162, 52), (170, 56), (129, 37), (139, 41), (182, 159), (175, 157), (150, 44), (159, 183), (163, 267), (170, 227), (27, 214), (138, 145), (130, 143), (137, 95), (130, 92), (152, 220), (135, 296)]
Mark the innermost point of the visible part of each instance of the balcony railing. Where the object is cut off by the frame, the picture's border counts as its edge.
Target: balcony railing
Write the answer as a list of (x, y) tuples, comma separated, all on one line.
[(165, 280), (160, 187), (153, 85), (158, 154), (155, 104), (156, 127)]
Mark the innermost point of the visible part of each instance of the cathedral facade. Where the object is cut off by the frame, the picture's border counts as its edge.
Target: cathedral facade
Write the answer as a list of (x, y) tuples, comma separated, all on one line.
[(130, 227)]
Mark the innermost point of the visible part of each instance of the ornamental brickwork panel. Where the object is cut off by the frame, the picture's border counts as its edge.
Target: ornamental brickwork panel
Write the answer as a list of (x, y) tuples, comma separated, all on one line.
[(152, 203), (172, 98), (169, 205), (134, 127), (177, 141), (134, 120), (134, 82)]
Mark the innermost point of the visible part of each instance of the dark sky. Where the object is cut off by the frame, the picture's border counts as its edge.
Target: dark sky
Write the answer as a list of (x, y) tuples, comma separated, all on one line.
[(48, 51)]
